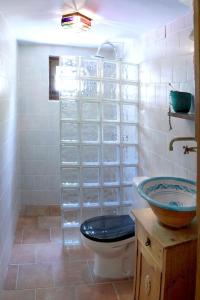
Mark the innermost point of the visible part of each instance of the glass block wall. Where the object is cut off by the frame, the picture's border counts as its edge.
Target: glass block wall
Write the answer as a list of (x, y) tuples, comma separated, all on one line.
[(98, 139)]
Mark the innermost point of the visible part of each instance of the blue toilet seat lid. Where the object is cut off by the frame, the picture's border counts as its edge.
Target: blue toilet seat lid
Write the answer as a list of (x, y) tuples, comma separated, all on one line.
[(108, 228)]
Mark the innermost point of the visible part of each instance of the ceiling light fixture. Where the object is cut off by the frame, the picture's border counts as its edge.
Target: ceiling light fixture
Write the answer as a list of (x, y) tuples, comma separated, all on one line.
[(76, 20)]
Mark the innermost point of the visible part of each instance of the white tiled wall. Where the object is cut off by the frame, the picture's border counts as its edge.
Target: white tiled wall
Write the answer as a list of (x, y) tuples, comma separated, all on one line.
[(167, 57), (39, 124), (9, 167)]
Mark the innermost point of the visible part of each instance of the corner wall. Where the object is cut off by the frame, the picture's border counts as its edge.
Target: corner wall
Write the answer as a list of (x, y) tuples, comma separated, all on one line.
[(9, 167), (167, 57)]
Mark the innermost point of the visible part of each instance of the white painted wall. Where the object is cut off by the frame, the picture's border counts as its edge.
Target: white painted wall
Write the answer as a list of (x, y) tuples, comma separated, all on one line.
[(167, 57), (9, 167), (39, 123)]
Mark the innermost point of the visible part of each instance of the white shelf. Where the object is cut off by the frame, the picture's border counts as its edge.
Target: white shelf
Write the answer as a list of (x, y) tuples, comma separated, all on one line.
[(186, 116)]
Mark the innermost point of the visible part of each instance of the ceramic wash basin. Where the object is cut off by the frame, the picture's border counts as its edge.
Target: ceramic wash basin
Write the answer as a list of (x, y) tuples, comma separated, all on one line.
[(172, 199)]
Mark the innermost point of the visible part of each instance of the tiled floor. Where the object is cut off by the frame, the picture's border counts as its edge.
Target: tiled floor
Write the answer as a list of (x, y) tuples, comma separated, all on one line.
[(40, 269)]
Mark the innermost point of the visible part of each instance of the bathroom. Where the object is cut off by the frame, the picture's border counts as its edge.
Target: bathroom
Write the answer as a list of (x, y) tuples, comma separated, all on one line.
[(158, 42)]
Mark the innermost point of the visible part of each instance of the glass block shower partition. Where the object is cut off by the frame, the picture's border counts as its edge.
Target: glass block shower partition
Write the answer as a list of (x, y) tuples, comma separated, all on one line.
[(98, 139)]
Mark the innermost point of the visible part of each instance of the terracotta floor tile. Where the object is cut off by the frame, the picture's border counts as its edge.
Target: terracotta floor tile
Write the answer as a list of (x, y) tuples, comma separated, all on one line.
[(71, 273), (18, 295), (11, 277), (47, 222), (124, 289), (42, 210), (36, 210), (45, 267), (18, 236), (79, 253), (34, 235), (96, 292), (27, 222), (56, 234), (63, 293), (51, 253), (34, 276), (55, 210), (22, 254)]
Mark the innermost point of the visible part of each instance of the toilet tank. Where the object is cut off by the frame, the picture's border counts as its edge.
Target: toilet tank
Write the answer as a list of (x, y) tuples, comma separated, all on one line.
[(138, 201)]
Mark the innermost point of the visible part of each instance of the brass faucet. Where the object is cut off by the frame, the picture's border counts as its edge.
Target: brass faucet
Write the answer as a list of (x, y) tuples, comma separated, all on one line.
[(187, 149)]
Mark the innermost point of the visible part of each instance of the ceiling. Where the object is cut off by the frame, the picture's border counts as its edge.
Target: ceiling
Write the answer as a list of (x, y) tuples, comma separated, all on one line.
[(115, 20)]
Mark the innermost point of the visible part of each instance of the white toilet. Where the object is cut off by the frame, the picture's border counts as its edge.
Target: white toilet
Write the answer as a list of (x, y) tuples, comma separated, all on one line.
[(112, 240)]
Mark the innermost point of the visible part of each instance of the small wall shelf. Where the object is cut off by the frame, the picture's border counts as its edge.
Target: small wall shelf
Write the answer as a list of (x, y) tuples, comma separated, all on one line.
[(186, 116)]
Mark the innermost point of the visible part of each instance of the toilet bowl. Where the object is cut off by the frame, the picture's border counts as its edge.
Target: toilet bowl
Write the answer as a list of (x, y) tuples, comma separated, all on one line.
[(111, 238)]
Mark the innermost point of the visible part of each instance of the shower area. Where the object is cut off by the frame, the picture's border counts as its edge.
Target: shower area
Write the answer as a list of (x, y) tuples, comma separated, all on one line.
[(98, 139)]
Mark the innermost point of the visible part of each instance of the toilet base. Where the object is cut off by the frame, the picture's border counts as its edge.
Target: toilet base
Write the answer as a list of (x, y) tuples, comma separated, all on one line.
[(120, 266)]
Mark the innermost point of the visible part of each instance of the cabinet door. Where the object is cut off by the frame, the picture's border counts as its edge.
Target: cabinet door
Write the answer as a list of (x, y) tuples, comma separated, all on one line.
[(148, 276)]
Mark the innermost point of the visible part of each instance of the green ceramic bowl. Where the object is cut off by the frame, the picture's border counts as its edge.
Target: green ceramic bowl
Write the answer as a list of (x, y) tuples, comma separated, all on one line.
[(180, 101)]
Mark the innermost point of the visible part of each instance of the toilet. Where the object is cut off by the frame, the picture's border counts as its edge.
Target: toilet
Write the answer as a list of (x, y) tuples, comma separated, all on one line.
[(111, 238)]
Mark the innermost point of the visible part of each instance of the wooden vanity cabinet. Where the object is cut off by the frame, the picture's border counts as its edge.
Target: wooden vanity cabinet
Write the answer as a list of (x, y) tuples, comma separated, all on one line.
[(165, 266)]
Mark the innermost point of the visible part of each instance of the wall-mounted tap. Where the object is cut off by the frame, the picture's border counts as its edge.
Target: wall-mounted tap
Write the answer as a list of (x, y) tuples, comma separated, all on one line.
[(179, 139), (189, 149)]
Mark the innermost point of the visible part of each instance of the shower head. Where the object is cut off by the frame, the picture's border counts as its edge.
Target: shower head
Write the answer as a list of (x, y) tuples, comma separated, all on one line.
[(102, 45), (98, 56)]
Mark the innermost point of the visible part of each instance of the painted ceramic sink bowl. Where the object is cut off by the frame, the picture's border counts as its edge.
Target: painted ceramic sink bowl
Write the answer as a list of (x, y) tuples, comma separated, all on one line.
[(172, 199)]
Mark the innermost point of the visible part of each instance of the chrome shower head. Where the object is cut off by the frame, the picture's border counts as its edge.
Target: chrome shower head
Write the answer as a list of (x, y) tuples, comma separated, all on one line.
[(102, 45)]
